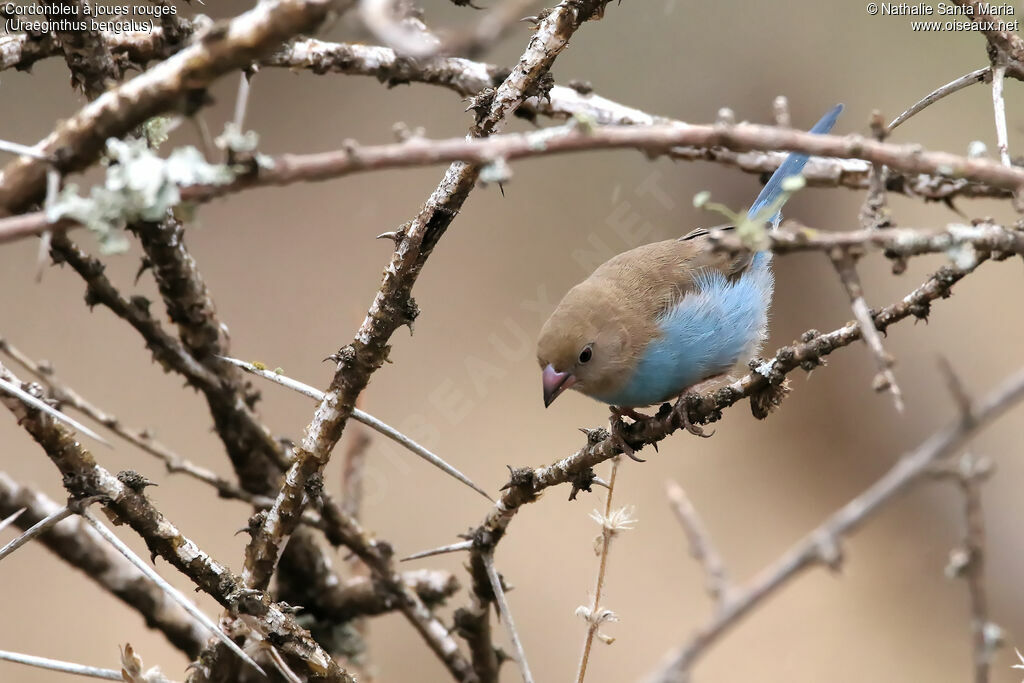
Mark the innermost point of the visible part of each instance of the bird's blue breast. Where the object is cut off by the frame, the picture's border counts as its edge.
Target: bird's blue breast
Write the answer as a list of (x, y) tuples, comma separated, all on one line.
[(705, 334)]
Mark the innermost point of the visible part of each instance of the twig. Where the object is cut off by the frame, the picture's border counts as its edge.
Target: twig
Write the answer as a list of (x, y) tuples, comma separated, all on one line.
[(976, 76), (596, 614), (170, 590), (405, 33), (353, 469), (242, 100), (360, 596), (701, 548), (410, 37), (506, 616), (11, 518), (874, 212), (63, 667), (22, 150), (999, 107), (359, 416), (36, 529), (453, 548), (885, 380), (256, 456), (575, 137), (821, 546), (968, 561), (39, 404), (958, 240)]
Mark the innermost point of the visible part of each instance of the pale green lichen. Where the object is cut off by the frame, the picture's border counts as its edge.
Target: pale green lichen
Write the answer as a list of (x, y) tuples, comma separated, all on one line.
[(235, 139), (498, 171), (139, 185), (157, 130)]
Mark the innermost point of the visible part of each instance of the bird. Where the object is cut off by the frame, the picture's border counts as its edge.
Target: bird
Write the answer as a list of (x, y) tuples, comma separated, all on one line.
[(653, 322)]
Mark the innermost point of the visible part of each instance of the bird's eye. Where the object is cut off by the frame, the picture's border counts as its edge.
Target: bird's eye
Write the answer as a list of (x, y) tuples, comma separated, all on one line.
[(586, 354)]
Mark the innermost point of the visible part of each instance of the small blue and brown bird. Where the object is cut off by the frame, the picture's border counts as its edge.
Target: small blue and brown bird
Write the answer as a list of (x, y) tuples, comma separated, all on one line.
[(653, 322)]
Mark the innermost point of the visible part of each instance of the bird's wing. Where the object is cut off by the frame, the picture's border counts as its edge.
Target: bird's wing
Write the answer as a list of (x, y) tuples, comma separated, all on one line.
[(731, 266), (654, 277)]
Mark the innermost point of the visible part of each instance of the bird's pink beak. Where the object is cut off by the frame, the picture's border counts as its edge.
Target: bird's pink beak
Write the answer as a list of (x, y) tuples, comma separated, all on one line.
[(555, 383)]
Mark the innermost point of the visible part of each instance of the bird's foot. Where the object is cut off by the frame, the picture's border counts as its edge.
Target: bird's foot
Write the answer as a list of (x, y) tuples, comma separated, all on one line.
[(684, 414), (619, 429)]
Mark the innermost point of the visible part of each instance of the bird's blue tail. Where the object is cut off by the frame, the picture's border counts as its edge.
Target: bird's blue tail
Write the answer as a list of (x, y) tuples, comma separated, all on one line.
[(793, 165)]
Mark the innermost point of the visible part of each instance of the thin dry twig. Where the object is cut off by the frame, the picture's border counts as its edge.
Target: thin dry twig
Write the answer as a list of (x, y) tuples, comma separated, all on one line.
[(453, 548), (11, 518), (506, 617), (359, 416), (999, 108), (885, 380), (39, 404), (701, 547), (960, 241), (822, 546), (38, 528), (22, 150), (957, 84), (63, 667), (595, 615)]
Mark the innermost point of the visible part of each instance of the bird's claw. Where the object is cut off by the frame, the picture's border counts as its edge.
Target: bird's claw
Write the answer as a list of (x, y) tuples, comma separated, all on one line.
[(619, 428), (684, 414)]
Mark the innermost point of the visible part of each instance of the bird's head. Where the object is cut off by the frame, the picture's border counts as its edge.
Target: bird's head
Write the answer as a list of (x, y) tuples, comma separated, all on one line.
[(583, 347)]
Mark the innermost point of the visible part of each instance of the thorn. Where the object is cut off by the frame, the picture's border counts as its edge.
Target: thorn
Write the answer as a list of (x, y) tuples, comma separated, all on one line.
[(453, 548)]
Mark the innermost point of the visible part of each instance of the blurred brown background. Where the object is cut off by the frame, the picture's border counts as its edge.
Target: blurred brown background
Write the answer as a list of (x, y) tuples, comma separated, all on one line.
[(293, 271)]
